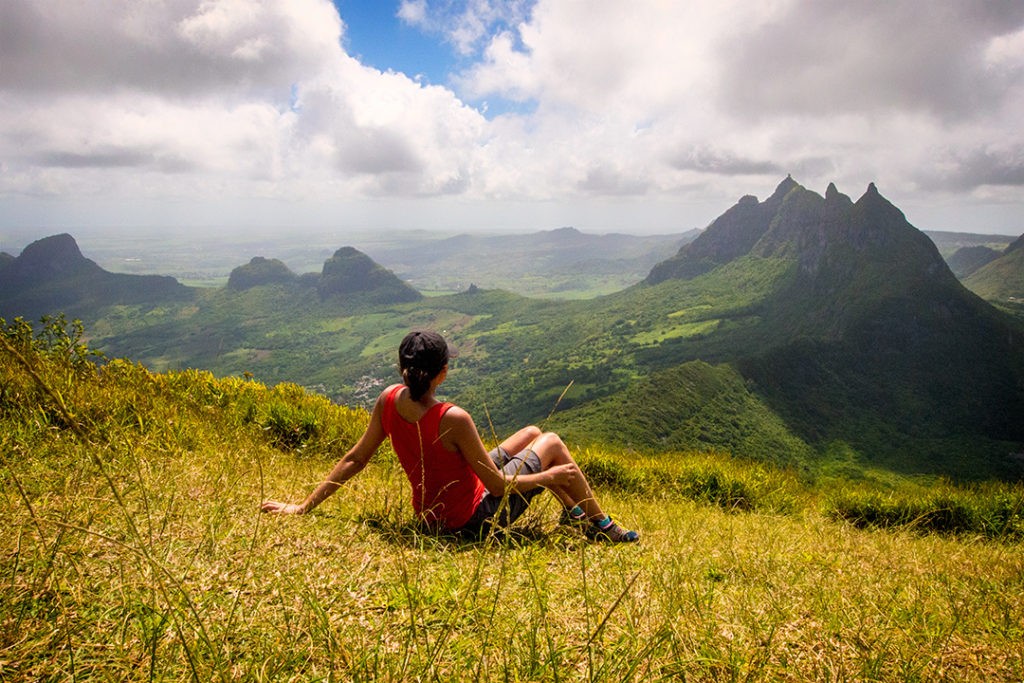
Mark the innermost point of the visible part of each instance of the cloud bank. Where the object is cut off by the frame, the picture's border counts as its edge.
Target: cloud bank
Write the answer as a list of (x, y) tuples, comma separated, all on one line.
[(652, 103)]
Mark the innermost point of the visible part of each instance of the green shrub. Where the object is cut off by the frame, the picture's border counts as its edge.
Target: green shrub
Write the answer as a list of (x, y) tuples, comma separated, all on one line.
[(993, 511), (52, 380), (288, 426), (717, 487), (704, 477)]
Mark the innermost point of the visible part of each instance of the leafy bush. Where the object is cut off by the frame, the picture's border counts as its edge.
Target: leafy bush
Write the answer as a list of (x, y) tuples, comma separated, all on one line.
[(52, 378), (993, 511), (704, 477)]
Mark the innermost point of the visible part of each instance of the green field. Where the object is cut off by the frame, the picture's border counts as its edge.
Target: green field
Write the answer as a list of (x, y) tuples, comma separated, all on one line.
[(134, 550)]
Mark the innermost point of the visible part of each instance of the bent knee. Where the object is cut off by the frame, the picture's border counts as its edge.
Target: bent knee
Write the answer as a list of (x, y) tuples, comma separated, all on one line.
[(550, 446), (531, 432)]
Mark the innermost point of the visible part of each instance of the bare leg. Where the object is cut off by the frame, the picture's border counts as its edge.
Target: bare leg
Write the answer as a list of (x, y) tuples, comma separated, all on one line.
[(521, 440), (552, 451)]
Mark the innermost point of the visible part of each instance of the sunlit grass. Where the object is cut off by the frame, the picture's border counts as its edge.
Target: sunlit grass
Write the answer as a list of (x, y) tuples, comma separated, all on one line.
[(133, 549), (675, 330)]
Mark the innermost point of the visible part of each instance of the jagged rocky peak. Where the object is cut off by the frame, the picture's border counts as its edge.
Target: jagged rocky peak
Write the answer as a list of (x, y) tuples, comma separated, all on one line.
[(49, 258), (784, 188), (879, 211), (729, 236), (800, 223), (836, 200), (54, 250)]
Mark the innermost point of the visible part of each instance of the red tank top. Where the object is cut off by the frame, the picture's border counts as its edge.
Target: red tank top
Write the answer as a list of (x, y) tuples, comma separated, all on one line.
[(445, 489)]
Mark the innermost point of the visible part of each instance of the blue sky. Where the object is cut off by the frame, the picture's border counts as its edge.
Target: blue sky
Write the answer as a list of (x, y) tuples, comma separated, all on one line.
[(462, 115), (377, 37)]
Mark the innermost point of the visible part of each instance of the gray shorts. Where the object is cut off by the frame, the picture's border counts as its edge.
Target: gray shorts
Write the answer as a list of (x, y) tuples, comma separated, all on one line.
[(499, 510)]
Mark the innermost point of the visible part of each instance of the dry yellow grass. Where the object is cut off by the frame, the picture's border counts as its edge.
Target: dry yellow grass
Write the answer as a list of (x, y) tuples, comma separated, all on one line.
[(133, 549), (185, 580)]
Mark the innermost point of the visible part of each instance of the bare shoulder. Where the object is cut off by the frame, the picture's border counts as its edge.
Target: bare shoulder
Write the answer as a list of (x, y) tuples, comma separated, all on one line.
[(455, 414), (384, 394), (457, 422)]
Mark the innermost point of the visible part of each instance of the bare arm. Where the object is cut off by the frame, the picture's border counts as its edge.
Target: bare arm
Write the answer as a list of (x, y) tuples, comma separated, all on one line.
[(461, 433), (349, 466)]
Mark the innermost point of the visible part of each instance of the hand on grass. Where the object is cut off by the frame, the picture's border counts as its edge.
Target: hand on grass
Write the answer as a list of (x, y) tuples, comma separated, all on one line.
[(281, 508)]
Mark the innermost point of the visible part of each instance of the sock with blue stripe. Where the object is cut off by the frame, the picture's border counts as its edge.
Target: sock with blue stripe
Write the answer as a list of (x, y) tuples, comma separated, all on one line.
[(609, 530)]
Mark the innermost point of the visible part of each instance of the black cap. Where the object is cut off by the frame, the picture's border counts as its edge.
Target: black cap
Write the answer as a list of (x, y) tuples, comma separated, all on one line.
[(423, 349)]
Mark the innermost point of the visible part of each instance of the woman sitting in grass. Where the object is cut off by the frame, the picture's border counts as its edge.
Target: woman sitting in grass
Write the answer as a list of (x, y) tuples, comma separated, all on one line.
[(457, 485)]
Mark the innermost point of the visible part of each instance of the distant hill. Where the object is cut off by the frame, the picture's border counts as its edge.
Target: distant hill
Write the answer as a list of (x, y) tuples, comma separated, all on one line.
[(966, 260), (349, 274), (797, 329), (51, 275), (1001, 280), (260, 271), (564, 263), (860, 334), (352, 275), (948, 243)]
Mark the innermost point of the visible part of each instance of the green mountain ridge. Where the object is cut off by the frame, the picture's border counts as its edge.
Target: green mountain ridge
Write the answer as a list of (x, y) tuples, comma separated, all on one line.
[(967, 260), (873, 333), (51, 275), (1002, 280), (260, 271), (790, 330)]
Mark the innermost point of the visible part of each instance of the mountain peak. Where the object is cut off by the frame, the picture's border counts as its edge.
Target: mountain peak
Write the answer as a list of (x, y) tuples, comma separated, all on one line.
[(47, 259), (56, 250), (51, 275), (353, 275), (729, 236), (260, 271), (836, 200), (831, 238), (784, 188), (880, 211)]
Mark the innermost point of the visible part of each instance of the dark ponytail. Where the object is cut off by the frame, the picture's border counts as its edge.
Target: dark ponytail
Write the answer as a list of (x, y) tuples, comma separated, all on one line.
[(422, 356), (418, 382)]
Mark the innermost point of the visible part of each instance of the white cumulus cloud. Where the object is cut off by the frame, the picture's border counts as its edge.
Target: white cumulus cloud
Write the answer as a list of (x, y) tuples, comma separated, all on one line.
[(641, 105)]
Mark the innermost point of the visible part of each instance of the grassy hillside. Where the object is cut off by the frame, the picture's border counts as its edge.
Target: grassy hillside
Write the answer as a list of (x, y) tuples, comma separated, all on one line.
[(1002, 280), (691, 406), (788, 331), (133, 550), (519, 359), (562, 263), (51, 275)]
